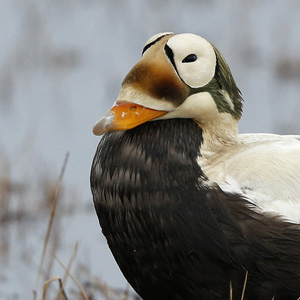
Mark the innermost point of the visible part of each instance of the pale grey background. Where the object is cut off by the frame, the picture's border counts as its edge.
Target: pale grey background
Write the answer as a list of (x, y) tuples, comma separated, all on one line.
[(61, 67)]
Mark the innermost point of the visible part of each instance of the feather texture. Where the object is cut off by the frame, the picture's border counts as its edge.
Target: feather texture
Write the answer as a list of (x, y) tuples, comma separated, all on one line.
[(265, 168), (173, 236), (188, 205)]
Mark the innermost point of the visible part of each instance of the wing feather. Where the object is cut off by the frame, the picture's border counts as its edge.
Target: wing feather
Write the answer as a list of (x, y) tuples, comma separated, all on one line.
[(265, 168)]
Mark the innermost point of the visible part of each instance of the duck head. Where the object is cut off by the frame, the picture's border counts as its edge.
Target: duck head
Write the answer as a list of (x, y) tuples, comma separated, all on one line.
[(178, 76)]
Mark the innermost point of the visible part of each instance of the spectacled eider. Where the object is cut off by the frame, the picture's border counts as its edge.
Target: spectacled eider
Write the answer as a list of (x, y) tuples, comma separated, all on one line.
[(187, 204)]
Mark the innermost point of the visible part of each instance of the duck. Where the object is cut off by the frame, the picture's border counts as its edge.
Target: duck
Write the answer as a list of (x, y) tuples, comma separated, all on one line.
[(190, 208)]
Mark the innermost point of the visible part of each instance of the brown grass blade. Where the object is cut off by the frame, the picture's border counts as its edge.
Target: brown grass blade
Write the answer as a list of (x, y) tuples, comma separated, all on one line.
[(64, 281), (103, 287), (83, 294), (53, 210), (46, 283), (244, 286)]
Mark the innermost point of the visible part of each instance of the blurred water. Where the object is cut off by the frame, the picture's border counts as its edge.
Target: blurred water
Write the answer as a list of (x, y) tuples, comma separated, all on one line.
[(61, 66)]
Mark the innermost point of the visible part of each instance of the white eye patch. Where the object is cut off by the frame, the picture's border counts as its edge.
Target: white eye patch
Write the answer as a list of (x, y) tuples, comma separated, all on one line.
[(194, 58)]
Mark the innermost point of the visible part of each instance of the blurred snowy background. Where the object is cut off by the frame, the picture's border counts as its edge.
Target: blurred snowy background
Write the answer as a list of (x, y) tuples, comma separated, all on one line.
[(61, 67)]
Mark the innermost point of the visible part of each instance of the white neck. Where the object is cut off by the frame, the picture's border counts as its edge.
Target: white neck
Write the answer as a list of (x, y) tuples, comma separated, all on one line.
[(219, 131)]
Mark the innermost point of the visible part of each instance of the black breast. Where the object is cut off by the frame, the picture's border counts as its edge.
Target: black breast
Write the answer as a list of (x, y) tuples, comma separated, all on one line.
[(176, 237)]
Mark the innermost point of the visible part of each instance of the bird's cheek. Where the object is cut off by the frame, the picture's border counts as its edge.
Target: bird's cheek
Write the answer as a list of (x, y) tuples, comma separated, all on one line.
[(197, 106)]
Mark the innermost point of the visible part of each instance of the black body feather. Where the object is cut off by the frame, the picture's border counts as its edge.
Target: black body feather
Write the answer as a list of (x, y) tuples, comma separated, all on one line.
[(176, 238)]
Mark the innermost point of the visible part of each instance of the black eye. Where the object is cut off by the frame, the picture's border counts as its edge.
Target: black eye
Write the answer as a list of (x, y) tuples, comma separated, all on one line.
[(190, 58)]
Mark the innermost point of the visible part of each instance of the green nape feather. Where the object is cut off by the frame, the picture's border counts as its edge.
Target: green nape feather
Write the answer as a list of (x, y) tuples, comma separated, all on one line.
[(222, 82), (224, 77)]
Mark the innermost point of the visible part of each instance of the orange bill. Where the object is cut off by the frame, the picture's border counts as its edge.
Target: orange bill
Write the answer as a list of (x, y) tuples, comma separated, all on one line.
[(125, 116)]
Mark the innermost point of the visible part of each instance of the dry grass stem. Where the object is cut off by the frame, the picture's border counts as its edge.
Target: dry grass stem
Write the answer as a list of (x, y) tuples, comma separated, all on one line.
[(67, 271), (230, 290), (53, 210), (83, 294), (52, 248), (46, 283), (244, 286), (104, 288)]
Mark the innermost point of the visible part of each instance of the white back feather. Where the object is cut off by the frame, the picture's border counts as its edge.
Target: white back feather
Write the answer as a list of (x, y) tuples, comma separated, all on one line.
[(264, 168)]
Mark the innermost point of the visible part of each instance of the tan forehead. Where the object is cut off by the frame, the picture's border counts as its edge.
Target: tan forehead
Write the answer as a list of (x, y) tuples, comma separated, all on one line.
[(158, 47)]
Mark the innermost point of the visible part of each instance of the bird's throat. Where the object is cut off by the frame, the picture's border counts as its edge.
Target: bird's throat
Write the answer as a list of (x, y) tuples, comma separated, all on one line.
[(153, 158)]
